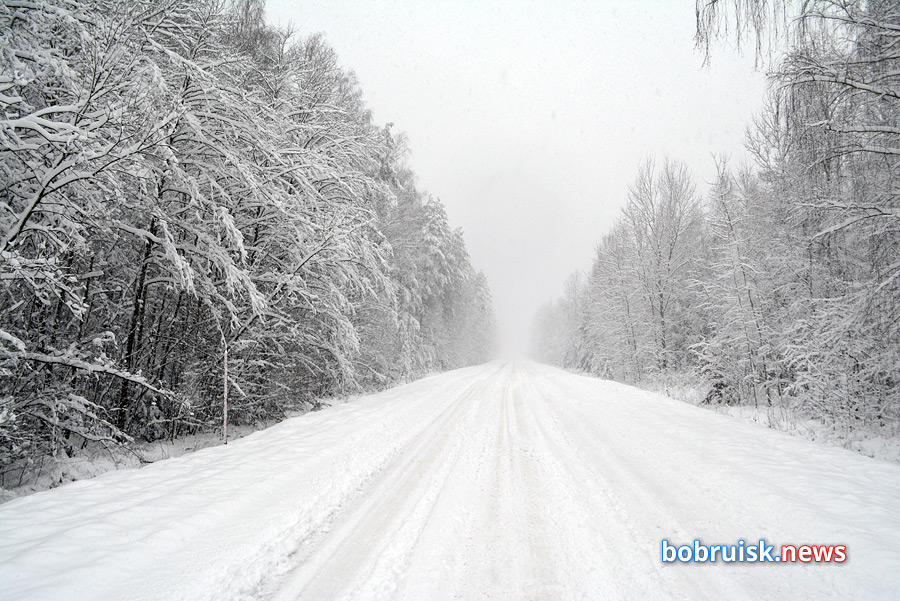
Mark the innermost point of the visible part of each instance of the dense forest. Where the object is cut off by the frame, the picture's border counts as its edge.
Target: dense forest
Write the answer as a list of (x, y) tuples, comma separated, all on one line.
[(199, 216), (781, 288)]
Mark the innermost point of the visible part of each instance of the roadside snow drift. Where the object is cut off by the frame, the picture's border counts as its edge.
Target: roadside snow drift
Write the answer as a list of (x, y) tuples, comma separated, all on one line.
[(503, 481)]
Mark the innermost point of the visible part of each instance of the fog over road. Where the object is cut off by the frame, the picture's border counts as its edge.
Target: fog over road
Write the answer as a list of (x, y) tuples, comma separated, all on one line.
[(502, 481)]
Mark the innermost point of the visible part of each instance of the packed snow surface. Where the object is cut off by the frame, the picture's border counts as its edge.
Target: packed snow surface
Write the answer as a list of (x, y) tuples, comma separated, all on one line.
[(502, 481)]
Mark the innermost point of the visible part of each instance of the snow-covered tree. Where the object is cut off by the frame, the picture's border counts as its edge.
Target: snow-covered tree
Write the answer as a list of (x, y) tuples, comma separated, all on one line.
[(787, 295), (189, 192)]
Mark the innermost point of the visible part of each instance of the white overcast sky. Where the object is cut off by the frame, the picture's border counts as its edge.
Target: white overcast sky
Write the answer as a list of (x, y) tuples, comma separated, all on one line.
[(529, 119)]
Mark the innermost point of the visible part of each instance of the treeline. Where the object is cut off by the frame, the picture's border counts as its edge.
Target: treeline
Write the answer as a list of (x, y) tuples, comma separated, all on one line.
[(781, 289), (185, 190)]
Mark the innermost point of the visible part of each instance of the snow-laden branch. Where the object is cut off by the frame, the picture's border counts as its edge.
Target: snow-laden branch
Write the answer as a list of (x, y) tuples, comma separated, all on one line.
[(96, 368)]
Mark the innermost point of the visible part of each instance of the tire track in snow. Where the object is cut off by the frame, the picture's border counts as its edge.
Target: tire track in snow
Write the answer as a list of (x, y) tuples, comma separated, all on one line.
[(679, 472), (495, 482), (364, 554), (605, 487)]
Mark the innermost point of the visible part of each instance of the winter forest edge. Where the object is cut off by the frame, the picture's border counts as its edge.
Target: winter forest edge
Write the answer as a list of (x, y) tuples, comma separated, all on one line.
[(780, 290), (197, 206), (187, 190)]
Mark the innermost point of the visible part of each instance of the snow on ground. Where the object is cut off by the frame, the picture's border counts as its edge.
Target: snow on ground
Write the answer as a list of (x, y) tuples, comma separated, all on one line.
[(880, 443), (95, 460), (503, 481)]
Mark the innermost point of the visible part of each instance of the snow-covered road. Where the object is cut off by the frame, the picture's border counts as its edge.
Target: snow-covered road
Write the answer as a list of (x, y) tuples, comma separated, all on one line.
[(502, 481)]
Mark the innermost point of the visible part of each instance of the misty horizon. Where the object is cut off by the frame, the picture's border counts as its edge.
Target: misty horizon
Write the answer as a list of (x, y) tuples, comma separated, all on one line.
[(529, 120)]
